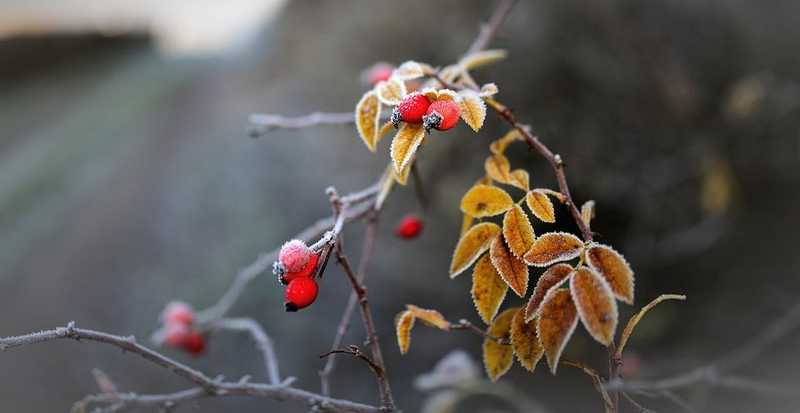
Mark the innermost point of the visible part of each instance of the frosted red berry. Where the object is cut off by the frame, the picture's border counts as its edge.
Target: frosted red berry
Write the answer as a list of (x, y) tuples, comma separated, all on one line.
[(294, 255), (175, 335), (178, 312), (307, 271), (441, 115), (409, 227), (411, 109), (300, 293), (194, 343), (378, 72)]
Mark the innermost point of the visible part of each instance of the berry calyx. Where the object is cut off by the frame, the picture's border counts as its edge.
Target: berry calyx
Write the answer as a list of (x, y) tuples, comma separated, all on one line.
[(378, 72), (178, 312), (194, 343), (294, 256), (411, 109), (300, 293), (307, 271), (409, 227), (441, 115)]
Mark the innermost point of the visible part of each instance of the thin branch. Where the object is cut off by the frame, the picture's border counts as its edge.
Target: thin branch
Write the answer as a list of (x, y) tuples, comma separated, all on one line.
[(465, 324), (263, 343), (356, 352), (261, 124), (489, 30)]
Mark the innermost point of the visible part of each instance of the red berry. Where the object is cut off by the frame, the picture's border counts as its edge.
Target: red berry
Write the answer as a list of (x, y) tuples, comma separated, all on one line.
[(194, 343), (294, 255), (378, 72), (442, 115), (307, 271), (178, 312), (409, 227), (176, 335), (300, 293), (411, 109)]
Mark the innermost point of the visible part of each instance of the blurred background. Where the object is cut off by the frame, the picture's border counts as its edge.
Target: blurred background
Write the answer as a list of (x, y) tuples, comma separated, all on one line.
[(127, 179)]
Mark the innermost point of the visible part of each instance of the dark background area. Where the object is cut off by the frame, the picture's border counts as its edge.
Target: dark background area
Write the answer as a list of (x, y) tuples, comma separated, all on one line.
[(127, 179)]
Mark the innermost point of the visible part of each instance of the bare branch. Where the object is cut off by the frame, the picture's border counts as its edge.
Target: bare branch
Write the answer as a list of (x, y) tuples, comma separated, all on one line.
[(263, 342), (261, 124)]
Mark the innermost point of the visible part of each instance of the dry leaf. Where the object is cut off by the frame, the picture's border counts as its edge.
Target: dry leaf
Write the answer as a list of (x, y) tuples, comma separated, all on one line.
[(553, 247), (485, 201), (498, 358), (520, 179), (513, 271), (488, 289), (488, 90), (525, 341), (550, 279), (474, 243), (482, 58), (498, 168), (499, 146), (391, 92), (368, 117), (587, 212), (596, 305), (541, 206), (432, 318), (616, 270), (556, 323), (473, 109), (405, 144), (408, 70), (403, 323), (518, 231)]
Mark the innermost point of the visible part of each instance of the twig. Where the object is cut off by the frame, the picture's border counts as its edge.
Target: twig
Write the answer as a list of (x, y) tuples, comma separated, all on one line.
[(356, 352), (489, 29), (263, 342), (261, 124), (464, 324), (597, 382)]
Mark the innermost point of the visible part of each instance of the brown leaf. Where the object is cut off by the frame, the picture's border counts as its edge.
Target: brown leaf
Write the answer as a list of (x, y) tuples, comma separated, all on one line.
[(391, 92), (488, 289), (408, 70), (499, 146), (498, 358), (550, 279), (485, 201), (513, 271), (520, 179), (541, 206), (432, 318), (405, 144), (403, 323), (368, 117), (595, 303), (518, 231), (498, 168), (616, 270), (525, 341), (473, 109), (474, 243), (553, 247), (557, 321), (482, 58)]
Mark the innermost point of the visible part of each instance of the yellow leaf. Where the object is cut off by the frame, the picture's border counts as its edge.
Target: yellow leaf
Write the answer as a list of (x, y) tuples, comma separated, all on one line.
[(513, 271), (402, 176), (525, 341), (473, 109), (553, 247), (488, 289), (520, 179), (403, 323), (541, 206), (408, 70), (518, 231), (498, 168), (550, 279), (556, 323), (488, 90), (595, 303), (391, 92), (447, 94), (474, 243), (368, 116), (432, 318), (499, 146), (482, 58), (405, 144), (614, 268), (498, 358), (485, 201)]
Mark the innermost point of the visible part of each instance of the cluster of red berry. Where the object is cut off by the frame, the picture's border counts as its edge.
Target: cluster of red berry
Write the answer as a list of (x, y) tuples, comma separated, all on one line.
[(178, 319), (296, 268), (417, 108)]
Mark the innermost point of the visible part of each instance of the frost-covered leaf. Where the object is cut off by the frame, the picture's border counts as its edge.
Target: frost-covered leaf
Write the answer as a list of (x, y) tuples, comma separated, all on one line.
[(474, 243), (525, 341), (488, 90), (518, 231), (551, 278), (368, 117), (485, 201), (405, 144), (587, 212), (488, 289), (553, 247), (432, 318), (596, 305), (498, 168), (520, 179), (541, 206), (391, 92), (556, 323), (513, 271), (447, 94), (402, 176), (482, 58), (498, 358), (473, 109), (499, 146), (403, 323), (616, 270), (409, 70)]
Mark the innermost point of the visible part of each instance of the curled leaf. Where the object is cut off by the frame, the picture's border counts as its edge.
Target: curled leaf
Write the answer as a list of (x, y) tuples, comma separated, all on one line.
[(513, 271), (517, 231), (557, 320), (485, 201), (550, 279), (553, 247), (595, 303), (498, 358), (520, 179), (499, 146), (488, 289), (616, 270), (408, 70), (405, 144), (488, 90), (498, 168), (473, 109), (432, 318), (368, 116), (541, 206), (482, 58), (525, 341), (403, 323), (391, 92), (474, 243)]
